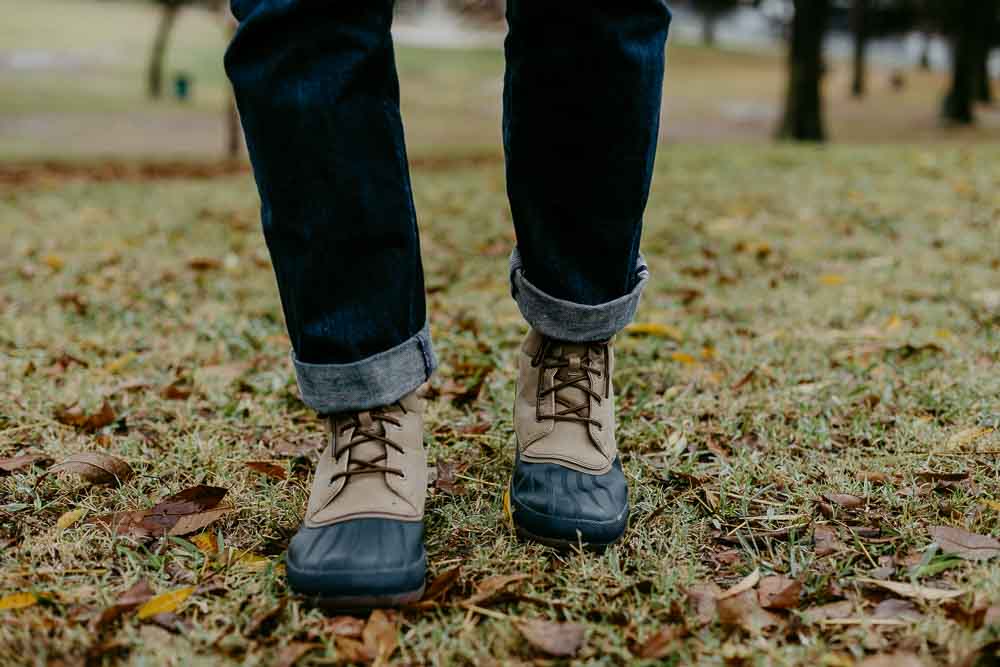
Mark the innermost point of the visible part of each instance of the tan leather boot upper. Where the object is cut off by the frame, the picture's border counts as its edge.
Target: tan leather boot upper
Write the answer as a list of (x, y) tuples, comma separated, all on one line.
[(375, 466), (564, 412)]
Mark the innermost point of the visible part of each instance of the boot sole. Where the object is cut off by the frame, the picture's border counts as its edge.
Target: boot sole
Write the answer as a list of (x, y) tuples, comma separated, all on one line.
[(358, 603)]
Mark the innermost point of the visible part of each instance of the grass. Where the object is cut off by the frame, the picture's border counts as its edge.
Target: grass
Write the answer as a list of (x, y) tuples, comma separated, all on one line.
[(825, 312)]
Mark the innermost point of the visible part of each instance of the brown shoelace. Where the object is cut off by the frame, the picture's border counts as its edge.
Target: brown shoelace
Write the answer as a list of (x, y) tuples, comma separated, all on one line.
[(367, 428), (578, 368)]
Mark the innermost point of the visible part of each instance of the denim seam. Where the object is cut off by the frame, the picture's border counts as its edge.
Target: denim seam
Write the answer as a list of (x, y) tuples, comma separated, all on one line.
[(565, 320), (372, 382)]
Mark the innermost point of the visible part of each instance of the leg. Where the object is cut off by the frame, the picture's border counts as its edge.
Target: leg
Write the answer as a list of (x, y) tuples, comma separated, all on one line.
[(319, 99), (581, 118), (318, 96)]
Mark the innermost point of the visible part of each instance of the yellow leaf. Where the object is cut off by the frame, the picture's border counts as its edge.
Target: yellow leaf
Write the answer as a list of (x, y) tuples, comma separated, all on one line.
[(992, 504), (708, 353), (683, 358), (206, 543), (966, 437), (832, 279), (251, 561), (119, 364), (164, 603), (69, 518), (894, 322), (942, 333), (17, 600), (655, 329), (54, 262)]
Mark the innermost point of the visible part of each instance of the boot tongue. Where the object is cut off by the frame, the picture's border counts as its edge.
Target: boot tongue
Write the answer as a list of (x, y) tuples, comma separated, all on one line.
[(574, 370)]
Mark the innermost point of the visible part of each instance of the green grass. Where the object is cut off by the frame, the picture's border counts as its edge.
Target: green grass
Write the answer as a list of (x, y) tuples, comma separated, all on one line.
[(859, 286)]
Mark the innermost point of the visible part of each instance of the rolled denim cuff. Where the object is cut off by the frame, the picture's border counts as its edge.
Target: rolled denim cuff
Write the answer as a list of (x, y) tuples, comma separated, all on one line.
[(378, 380), (574, 322)]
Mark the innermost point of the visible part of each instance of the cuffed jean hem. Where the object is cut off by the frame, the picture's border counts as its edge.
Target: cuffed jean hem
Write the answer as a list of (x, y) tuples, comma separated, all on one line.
[(574, 322), (378, 380)]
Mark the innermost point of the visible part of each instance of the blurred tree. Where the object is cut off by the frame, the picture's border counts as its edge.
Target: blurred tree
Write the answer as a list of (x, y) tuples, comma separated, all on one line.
[(860, 10), (803, 117), (711, 12), (969, 24), (168, 17)]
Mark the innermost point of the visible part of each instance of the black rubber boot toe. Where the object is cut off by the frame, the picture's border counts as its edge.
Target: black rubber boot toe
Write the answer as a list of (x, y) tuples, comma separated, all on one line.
[(359, 564), (562, 507)]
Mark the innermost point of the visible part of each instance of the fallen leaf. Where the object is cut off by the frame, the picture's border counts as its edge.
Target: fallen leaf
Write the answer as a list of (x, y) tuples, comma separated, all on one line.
[(380, 635), (841, 609), (18, 463), (178, 390), (683, 358), (267, 468), (53, 261), (206, 543), (18, 601), (445, 479), (293, 652), (67, 519), (492, 586), (180, 514), (553, 638), (661, 643), (745, 584), (872, 476), (138, 594), (73, 415), (164, 603), (831, 279), (744, 610), (654, 329), (825, 541), (778, 592), (95, 467), (896, 608), (119, 364), (351, 651), (966, 437), (912, 590), (964, 544), (892, 660), (441, 584), (264, 622), (344, 626), (844, 500), (204, 263), (703, 597)]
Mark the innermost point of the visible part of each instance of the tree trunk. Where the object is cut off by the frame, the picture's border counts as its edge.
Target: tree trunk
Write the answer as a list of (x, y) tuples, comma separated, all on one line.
[(158, 55), (803, 117), (709, 22), (859, 26), (925, 51), (984, 88), (967, 42)]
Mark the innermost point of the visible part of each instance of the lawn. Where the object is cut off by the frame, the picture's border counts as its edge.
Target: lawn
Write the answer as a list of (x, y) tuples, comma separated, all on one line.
[(811, 392)]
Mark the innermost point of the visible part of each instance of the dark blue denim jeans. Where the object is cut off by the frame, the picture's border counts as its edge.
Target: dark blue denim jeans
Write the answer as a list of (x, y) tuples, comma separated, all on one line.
[(318, 94)]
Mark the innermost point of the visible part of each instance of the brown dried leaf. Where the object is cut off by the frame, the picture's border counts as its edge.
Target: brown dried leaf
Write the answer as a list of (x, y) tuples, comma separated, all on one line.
[(553, 638), (492, 586), (74, 415), (912, 590), (178, 390), (204, 263), (138, 594), (445, 479), (96, 468), (845, 500), (744, 610), (344, 626), (745, 584), (293, 652), (264, 622), (964, 544), (703, 597), (842, 609), (351, 651), (380, 635), (268, 468), (441, 584), (892, 660), (186, 512), (778, 592), (896, 608), (17, 463), (826, 542), (661, 643)]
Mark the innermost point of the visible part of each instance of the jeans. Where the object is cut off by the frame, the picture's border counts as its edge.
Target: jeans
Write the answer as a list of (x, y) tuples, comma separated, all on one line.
[(318, 94)]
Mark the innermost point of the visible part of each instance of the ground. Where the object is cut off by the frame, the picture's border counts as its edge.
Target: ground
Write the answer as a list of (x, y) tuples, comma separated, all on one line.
[(818, 322), (810, 390)]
